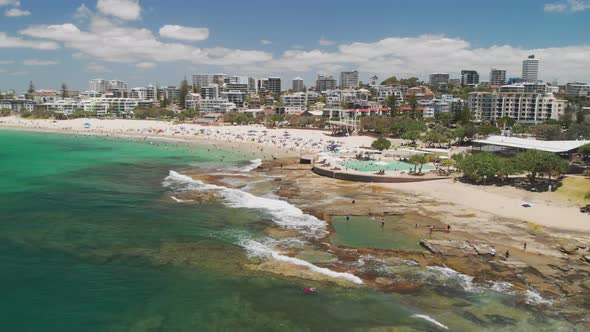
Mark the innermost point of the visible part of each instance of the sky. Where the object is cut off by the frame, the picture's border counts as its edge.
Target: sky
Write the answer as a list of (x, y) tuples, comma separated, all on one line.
[(153, 41)]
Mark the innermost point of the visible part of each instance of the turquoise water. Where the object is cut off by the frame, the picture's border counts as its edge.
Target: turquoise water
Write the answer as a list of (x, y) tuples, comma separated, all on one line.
[(362, 232), (375, 166), (90, 240)]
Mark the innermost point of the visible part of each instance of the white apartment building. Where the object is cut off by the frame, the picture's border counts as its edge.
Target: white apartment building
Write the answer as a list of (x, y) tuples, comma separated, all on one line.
[(210, 91), (235, 96), (217, 105), (349, 79), (192, 101), (295, 101), (530, 69), (101, 86), (522, 107), (169, 92), (17, 105), (144, 93), (577, 89), (202, 80)]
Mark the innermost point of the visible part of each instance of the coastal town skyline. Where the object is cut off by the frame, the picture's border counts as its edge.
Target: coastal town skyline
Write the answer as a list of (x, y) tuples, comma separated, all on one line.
[(145, 42)]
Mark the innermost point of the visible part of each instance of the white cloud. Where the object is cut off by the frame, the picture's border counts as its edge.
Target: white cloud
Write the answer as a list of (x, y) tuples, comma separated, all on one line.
[(96, 68), (20, 73), (16, 12), (571, 6), (112, 42), (145, 65), (6, 62), (128, 10), (325, 42), (265, 42), (184, 33), (82, 13), (35, 62), (15, 42), (15, 3)]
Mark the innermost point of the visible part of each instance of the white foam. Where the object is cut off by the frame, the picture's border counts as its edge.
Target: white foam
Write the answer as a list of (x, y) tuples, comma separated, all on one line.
[(465, 281), (178, 200), (430, 319), (252, 166), (257, 249), (533, 297), (381, 163), (282, 212)]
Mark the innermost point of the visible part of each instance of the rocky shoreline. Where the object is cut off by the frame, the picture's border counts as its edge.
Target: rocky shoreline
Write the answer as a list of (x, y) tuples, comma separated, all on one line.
[(554, 264)]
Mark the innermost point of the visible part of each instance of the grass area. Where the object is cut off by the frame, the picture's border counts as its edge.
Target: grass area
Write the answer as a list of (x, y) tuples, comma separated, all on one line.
[(575, 188)]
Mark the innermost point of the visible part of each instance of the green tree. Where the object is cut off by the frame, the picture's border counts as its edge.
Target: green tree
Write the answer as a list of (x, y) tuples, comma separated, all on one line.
[(480, 166), (64, 91), (464, 116), (381, 144), (444, 118), (5, 112), (419, 160), (413, 102), (392, 104), (505, 122), (487, 130), (31, 88), (536, 162), (584, 150), (547, 132), (391, 81), (184, 90)]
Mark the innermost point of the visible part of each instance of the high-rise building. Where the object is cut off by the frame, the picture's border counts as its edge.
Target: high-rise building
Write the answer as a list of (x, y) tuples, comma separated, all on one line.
[(436, 79), (251, 85), (469, 77), (324, 83), (298, 85), (201, 80), (99, 85), (530, 69), (349, 79), (497, 77), (273, 84), (219, 79), (210, 91)]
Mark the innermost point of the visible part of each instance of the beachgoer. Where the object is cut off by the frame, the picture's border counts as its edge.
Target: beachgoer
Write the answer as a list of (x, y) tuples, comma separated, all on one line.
[(524, 246), (347, 218), (310, 290), (416, 225), (493, 252), (431, 229), (382, 222), (507, 254), (448, 228), (353, 201)]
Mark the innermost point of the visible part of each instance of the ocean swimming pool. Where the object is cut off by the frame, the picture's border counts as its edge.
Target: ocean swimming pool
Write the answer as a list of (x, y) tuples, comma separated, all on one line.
[(375, 166)]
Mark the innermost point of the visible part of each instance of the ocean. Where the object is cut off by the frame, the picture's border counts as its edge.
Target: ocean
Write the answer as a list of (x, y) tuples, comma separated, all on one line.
[(94, 238)]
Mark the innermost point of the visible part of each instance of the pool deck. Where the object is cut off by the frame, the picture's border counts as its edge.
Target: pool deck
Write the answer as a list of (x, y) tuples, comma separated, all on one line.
[(373, 178)]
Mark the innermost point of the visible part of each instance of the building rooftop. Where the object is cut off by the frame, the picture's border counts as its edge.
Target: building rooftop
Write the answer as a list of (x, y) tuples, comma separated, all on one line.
[(533, 144)]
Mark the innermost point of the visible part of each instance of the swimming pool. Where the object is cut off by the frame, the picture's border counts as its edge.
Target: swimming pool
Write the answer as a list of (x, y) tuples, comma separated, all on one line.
[(375, 166)]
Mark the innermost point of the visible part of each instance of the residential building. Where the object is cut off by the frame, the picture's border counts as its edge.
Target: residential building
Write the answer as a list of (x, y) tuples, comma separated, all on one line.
[(144, 93), (455, 82), (217, 105), (577, 89), (273, 85), (219, 79), (469, 78), (236, 97), (521, 106), (251, 85), (497, 77), (242, 87), (298, 85), (17, 105), (530, 69), (169, 92), (45, 96), (438, 79), (324, 83), (192, 101), (294, 102), (349, 79), (210, 91), (201, 80), (101, 86)]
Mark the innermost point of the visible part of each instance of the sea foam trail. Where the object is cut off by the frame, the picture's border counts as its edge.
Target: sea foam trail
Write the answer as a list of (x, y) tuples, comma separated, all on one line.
[(252, 166), (430, 319), (258, 249), (282, 212)]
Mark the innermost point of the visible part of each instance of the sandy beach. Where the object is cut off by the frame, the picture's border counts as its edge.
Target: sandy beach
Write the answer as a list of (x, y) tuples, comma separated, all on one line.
[(548, 209)]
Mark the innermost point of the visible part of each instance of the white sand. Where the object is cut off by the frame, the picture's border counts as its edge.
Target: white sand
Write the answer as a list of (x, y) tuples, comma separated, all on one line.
[(292, 141)]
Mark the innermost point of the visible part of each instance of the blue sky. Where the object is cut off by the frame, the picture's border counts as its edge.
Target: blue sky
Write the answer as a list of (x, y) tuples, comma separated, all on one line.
[(71, 41)]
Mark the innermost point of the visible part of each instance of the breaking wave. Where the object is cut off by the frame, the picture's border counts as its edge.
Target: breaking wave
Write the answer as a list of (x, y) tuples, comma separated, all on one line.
[(282, 213), (259, 250), (252, 166), (430, 319)]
